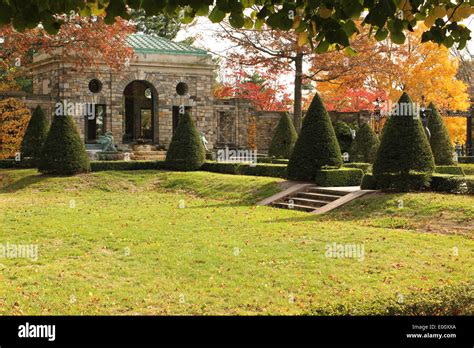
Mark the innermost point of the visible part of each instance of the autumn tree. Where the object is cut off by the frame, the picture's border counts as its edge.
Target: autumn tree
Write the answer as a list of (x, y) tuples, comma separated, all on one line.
[(14, 118), (262, 89), (84, 40), (420, 69)]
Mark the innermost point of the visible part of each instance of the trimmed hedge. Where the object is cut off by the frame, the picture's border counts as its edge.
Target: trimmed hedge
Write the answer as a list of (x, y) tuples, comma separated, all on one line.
[(404, 149), (440, 141), (339, 177), (364, 166), (448, 300), (63, 151), (317, 145), (452, 184), (467, 168), (343, 135), (35, 135), (186, 151), (284, 138), (11, 163), (98, 166), (365, 145), (437, 182), (272, 160), (272, 170), (454, 170), (466, 159), (396, 182)]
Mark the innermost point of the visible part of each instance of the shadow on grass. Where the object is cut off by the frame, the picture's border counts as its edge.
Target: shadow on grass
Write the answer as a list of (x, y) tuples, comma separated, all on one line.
[(22, 183)]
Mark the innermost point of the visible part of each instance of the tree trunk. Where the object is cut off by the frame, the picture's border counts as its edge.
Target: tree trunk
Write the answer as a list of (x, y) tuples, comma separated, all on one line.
[(297, 114)]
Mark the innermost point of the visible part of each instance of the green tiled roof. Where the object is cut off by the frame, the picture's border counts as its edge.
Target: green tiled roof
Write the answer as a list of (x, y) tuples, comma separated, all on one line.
[(151, 44)]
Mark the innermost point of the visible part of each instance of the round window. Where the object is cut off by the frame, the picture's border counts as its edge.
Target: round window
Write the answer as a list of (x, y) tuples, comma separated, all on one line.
[(181, 88), (95, 86)]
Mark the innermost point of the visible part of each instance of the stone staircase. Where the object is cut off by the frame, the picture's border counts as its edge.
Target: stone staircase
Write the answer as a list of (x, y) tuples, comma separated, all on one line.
[(315, 199), (147, 152), (312, 198)]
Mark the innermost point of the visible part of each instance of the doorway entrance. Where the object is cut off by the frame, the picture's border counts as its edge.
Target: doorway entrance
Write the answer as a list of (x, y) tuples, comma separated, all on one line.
[(140, 110)]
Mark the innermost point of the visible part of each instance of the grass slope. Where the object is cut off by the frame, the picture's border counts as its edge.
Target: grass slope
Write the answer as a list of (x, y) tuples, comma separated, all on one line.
[(128, 248)]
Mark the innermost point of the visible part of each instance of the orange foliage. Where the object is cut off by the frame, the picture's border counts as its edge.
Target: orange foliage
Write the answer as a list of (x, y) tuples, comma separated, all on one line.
[(457, 128), (252, 133), (14, 118)]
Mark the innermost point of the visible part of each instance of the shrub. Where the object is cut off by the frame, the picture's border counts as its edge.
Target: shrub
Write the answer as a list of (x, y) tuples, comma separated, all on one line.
[(284, 139), (404, 154), (467, 168), (186, 151), (413, 181), (272, 170), (35, 135), (440, 301), (63, 151), (466, 159), (365, 167), (98, 166), (368, 182), (365, 145), (223, 168), (11, 163), (454, 170), (339, 177), (14, 118), (316, 146), (343, 135), (440, 142), (452, 184), (273, 160)]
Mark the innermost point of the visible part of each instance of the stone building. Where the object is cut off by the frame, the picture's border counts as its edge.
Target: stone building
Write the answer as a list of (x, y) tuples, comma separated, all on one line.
[(140, 103)]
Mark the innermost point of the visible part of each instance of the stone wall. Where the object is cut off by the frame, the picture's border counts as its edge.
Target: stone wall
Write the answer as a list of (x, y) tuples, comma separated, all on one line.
[(57, 81)]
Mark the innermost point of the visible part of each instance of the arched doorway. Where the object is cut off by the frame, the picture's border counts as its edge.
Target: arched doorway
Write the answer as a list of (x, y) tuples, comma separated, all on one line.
[(140, 112)]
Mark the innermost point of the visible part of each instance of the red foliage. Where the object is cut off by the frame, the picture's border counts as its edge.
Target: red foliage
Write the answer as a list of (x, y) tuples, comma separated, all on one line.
[(266, 94), (84, 40)]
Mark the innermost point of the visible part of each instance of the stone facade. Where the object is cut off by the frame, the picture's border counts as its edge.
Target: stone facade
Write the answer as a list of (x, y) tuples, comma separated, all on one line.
[(55, 81)]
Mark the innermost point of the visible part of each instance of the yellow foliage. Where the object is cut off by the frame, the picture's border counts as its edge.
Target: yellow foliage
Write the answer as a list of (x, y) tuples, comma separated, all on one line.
[(457, 128), (252, 133), (420, 69), (14, 118)]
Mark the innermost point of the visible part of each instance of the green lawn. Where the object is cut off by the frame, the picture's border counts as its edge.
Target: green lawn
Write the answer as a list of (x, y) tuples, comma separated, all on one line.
[(124, 245)]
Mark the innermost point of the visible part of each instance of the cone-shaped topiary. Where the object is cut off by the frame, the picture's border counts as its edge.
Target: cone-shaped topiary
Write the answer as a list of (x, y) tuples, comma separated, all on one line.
[(365, 145), (316, 146), (63, 151), (440, 142), (35, 135), (284, 139), (186, 151), (343, 135), (404, 147)]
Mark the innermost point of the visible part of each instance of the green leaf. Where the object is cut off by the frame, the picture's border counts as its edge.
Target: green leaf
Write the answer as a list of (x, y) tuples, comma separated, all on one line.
[(381, 34), (236, 20), (322, 47), (397, 37), (216, 15)]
